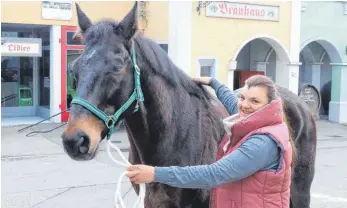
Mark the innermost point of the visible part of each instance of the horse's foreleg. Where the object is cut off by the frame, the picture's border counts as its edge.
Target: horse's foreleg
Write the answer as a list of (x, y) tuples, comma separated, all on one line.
[(163, 196)]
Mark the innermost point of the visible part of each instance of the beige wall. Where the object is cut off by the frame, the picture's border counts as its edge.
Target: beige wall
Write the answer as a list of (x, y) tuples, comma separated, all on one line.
[(29, 12), (221, 37)]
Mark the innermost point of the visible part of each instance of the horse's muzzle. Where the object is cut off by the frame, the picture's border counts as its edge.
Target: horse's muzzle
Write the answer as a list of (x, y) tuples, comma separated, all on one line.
[(77, 145)]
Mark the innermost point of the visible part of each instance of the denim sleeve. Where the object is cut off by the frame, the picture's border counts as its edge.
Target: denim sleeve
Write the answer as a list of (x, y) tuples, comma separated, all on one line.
[(226, 96), (259, 152)]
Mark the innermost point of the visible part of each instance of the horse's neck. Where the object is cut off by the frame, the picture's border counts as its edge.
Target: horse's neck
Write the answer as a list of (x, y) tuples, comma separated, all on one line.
[(147, 125)]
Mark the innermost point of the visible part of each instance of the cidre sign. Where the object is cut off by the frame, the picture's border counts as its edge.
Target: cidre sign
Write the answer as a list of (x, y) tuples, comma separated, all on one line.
[(25, 47), (242, 11)]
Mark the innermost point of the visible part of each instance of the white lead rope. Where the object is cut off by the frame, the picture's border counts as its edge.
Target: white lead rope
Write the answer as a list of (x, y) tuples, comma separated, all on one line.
[(118, 197)]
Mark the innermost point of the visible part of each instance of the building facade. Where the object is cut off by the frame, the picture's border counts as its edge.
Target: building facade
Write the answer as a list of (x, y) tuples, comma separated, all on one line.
[(38, 49), (228, 37), (289, 41), (323, 54)]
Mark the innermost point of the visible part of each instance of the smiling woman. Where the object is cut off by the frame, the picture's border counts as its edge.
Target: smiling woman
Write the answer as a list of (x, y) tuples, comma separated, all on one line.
[(258, 153)]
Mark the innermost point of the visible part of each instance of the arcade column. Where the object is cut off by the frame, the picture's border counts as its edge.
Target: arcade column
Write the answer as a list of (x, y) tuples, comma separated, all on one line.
[(316, 74), (231, 68), (292, 76), (338, 103), (261, 66)]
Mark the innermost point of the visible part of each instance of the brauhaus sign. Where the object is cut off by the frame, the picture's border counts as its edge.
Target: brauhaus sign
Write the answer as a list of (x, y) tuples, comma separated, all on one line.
[(242, 11)]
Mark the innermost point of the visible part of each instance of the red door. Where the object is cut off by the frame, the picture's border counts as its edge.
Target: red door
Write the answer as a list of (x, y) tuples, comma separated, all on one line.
[(244, 75), (70, 50)]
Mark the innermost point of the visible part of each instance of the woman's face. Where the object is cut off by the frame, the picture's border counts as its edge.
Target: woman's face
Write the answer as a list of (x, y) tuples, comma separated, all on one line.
[(251, 100)]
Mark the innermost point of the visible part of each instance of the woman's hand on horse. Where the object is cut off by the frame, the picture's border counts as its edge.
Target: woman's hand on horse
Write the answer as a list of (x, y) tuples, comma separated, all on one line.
[(140, 173), (203, 80)]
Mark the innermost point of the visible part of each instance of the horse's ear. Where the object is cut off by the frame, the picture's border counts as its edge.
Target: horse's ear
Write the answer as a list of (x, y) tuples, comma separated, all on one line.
[(128, 26), (83, 21)]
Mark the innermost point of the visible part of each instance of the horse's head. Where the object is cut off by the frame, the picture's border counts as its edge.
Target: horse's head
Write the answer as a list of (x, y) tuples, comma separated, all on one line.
[(104, 76)]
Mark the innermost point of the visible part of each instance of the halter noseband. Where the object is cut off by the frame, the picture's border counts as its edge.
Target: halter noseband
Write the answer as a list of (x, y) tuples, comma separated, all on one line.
[(111, 120)]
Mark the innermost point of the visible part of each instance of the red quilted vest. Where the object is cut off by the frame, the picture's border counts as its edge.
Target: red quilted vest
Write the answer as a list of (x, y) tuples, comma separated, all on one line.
[(264, 189)]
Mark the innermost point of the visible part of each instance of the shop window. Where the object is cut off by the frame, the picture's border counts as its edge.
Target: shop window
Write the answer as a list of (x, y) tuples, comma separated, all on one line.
[(16, 81), (20, 73), (44, 79)]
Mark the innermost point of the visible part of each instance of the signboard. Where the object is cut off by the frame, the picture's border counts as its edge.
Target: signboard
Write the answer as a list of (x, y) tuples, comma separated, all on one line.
[(242, 11), (25, 47), (310, 95), (57, 10)]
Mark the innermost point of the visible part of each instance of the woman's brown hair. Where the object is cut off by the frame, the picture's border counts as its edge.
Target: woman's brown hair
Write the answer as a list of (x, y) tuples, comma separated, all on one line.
[(272, 93)]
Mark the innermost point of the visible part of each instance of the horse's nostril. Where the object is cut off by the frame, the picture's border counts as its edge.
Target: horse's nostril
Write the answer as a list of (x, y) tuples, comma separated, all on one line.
[(83, 150), (83, 145), (76, 144)]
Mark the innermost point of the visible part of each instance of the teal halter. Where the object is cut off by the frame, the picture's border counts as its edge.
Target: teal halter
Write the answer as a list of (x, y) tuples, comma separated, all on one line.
[(111, 120)]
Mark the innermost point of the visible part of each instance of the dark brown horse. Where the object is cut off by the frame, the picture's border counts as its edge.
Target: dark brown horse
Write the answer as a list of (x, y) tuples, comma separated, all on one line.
[(177, 123)]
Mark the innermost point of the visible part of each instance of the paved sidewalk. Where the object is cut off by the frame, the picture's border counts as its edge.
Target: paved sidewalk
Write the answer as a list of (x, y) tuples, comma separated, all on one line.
[(36, 172)]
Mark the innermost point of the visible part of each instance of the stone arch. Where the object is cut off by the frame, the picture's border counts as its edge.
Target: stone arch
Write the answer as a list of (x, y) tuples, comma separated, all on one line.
[(279, 48), (332, 51), (264, 54), (317, 69)]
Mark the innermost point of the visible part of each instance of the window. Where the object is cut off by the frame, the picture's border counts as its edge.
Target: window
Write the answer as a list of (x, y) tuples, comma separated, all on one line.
[(165, 47), (207, 67), (16, 81), (44, 79), (70, 39), (206, 71)]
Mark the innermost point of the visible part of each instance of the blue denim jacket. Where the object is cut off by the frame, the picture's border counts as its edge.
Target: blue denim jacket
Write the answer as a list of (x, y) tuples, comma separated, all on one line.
[(258, 152)]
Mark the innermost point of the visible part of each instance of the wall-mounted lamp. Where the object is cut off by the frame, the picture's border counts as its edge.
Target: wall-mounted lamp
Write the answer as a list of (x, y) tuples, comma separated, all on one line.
[(202, 4), (143, 13)]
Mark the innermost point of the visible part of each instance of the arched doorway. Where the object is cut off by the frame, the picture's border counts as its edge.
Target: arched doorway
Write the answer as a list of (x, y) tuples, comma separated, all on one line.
[(261, 55), (316, 57)]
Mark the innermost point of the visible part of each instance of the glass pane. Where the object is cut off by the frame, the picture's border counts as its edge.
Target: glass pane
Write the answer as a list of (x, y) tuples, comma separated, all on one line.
[(16, 81), (72, 55), (165, 47), (205, 71), (44, 81), (70, 40)]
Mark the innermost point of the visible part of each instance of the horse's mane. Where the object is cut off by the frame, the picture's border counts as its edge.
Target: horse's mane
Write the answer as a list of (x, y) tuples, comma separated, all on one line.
[(164, 67)]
